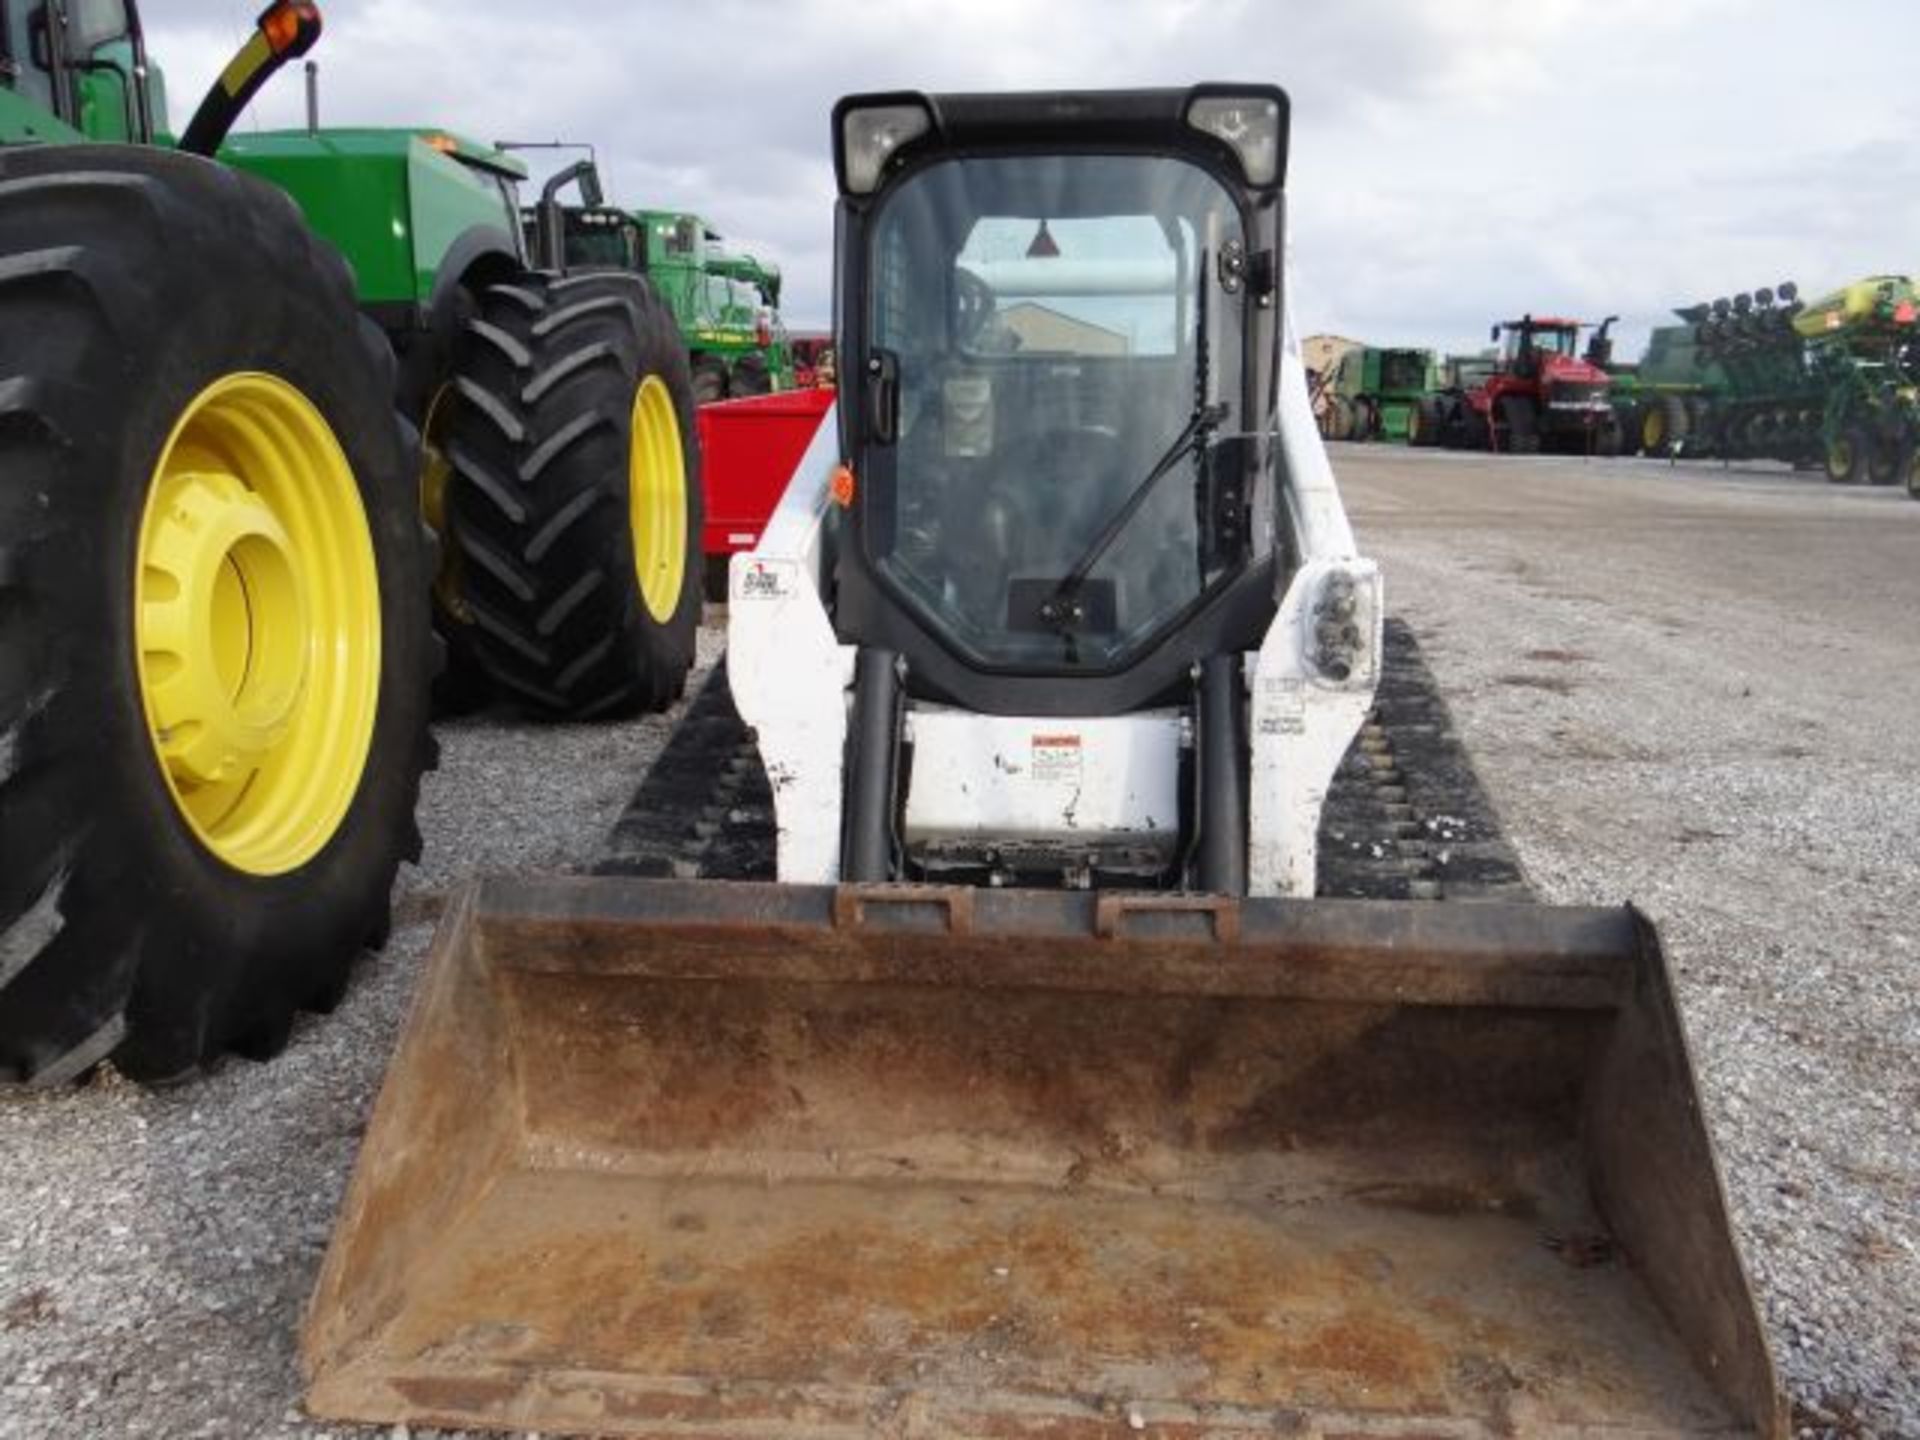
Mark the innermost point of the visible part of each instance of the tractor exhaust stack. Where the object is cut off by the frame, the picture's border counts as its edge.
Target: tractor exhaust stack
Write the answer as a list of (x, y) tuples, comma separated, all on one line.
[(700, 1159)]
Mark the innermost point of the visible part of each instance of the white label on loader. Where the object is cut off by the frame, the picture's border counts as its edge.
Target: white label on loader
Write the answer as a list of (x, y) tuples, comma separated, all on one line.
[(1055, 759), (1285, 710), (765, 580)]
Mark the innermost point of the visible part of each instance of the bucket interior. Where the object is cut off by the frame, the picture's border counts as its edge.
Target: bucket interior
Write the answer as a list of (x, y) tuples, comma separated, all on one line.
[(649, 1175)]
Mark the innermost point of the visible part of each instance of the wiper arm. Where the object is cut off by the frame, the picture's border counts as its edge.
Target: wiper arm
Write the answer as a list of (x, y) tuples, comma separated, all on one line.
[(1058, 608)]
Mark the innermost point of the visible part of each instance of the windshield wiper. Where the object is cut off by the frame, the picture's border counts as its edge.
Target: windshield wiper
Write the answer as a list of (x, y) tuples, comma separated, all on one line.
[(1059, 609), (1062, 608)]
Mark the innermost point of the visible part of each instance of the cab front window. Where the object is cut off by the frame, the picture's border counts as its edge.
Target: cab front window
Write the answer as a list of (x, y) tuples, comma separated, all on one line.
[(1069, 367)]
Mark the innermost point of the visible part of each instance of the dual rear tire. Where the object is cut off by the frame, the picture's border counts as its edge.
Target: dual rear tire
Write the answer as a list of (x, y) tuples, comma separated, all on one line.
[(573, 505), (214, 641)]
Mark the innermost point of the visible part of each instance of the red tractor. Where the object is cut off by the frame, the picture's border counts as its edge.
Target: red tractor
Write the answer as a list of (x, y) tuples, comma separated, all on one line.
[(1540, 394)]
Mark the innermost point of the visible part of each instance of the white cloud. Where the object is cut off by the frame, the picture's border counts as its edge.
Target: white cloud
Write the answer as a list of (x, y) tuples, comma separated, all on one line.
[(1452, 163)]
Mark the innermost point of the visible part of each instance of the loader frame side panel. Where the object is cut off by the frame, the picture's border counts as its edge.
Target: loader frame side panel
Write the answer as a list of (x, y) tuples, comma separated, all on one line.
[(788, 671)]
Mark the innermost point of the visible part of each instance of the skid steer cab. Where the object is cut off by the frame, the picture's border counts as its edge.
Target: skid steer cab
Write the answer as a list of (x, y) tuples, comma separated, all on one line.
[(1065, 595)]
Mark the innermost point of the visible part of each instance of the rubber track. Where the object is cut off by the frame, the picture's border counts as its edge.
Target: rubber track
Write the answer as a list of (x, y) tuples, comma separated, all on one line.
[(1406, 818)]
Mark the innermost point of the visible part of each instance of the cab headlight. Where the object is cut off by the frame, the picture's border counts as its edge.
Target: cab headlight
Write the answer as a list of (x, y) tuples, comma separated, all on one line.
[(1341, 626), (869, 137), (1250, 124)]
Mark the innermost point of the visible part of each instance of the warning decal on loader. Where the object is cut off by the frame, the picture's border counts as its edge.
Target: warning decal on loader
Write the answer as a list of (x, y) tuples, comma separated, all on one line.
[(1055, 759)]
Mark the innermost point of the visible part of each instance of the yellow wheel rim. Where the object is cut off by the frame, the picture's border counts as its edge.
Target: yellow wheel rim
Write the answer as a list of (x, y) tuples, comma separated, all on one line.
[(436, 477), (657, 500), (1653, 430), (436, 470), (257, 624)]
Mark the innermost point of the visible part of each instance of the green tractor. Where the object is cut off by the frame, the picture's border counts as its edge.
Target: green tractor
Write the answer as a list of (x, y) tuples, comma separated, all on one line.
[(552, 404), (1663, 400), (217, 594), (727, 305), (1452, 377), (1374, 393)]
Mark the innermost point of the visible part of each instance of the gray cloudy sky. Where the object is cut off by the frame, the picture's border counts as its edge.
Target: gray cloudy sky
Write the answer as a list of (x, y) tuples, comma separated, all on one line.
[(1453, 163)]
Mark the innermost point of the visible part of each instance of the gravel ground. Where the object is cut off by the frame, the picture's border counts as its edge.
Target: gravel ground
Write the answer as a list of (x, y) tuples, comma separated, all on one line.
[(1684, 687), (1696, 688), (158, 1247)]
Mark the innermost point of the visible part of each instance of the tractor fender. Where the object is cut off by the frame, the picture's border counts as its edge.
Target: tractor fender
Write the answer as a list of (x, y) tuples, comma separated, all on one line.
[(423, 336), (491, 247)]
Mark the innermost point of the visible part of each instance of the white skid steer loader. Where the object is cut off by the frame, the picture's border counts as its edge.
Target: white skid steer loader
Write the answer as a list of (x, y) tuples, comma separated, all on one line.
[(1088, 579), (1039, 1097)]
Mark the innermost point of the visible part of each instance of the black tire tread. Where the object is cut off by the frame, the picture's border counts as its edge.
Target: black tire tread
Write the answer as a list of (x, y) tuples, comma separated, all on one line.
[(537, 503), (148, 272), (1522, 424)]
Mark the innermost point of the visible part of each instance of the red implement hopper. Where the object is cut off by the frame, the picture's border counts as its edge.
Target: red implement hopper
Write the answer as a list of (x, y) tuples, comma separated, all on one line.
[(748, 451)]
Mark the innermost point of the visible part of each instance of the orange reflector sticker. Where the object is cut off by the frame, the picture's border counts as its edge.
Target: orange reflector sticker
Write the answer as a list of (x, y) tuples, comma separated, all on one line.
[(842, 486), (445, 144)]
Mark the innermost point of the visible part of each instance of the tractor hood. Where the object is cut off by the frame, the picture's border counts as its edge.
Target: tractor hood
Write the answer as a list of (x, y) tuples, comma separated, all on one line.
[(1571, 370), (367, 142)]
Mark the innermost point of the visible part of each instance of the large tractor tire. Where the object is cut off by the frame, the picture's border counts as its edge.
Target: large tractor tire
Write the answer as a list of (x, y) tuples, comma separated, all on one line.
[(214, 640), (709, 380), (1340, 419), (1465, 428), (1846, 457), (1910, 466), (1735, 440), (751, 376), (1366, 418), (575, 498), (1521, 424), (1424, 422), (1883, 461), (428, 398), (1665, 426)]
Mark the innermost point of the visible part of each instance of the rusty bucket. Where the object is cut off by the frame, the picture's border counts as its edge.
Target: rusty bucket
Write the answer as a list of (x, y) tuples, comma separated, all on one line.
[(675, 1158)]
